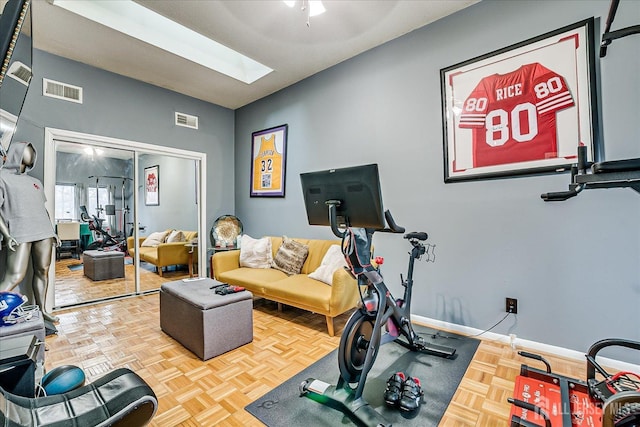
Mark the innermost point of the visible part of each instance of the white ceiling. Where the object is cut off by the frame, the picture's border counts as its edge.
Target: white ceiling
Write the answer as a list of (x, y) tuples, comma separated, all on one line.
[(265, 30)]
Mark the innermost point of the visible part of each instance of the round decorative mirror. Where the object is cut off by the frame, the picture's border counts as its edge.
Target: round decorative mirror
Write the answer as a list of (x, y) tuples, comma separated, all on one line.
[(225, 231)]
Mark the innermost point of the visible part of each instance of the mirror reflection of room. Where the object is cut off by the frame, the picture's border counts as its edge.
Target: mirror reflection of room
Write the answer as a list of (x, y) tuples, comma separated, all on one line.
[(95, 193), (168, 216), (93, 199)]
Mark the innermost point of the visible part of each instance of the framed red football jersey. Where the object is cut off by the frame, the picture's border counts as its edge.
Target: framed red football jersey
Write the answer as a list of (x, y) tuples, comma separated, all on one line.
[(513, 116), (523, 109)]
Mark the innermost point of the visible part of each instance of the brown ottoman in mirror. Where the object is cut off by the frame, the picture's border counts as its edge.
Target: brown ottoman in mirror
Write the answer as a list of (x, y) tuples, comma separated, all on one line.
[(103, 265), (204, 322)]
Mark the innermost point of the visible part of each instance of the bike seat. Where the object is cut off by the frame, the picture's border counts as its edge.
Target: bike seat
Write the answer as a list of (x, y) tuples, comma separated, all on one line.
[(419, 235)]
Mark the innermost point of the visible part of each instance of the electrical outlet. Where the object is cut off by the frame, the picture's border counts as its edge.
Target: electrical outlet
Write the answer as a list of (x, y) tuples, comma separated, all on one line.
[(512, 305)]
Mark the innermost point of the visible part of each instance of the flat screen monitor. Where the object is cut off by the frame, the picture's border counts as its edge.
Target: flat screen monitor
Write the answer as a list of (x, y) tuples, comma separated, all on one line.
[(357, 189)]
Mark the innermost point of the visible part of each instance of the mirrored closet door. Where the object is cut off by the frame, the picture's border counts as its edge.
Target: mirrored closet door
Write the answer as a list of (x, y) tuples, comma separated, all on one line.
[(128, 215), (167, 217), (93, 212)]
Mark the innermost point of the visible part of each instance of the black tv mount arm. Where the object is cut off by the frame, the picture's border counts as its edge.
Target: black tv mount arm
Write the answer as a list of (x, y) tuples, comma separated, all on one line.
[(333, 217), (608, 36)]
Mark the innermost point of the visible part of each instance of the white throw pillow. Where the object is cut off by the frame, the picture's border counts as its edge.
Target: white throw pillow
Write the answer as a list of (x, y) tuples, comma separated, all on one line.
[(154, 239), (175, 236), (332, 261), (255, 253)]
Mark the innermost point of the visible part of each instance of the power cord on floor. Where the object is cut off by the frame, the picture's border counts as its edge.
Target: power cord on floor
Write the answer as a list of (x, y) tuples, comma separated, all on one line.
[(487, 330)]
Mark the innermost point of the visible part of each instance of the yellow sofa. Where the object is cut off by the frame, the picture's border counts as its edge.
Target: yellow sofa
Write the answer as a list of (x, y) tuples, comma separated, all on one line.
[(165, 254), (297, 290)]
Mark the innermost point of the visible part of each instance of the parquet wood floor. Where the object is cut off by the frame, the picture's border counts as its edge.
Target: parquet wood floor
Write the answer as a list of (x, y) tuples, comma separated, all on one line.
[(73, 287), (126, 333)]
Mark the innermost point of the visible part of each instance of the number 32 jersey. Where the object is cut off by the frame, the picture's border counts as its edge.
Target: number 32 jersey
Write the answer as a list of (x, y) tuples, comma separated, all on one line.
[(513, 116), (267, 166)]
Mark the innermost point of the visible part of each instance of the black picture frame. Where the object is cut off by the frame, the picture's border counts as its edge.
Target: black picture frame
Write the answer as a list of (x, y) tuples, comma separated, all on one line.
[(523, 109), (152, 186), (269, 162)]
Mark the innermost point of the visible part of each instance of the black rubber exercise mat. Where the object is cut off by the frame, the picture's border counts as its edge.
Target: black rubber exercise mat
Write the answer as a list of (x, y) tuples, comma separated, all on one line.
[(283, 406)]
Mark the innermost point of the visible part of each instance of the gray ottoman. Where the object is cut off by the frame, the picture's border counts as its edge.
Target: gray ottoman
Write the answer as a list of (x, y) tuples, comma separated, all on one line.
[(204, 322), (103, 265)]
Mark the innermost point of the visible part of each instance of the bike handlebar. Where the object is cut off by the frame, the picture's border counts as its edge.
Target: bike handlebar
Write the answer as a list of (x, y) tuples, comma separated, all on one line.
[(333, 222), (393, 227)]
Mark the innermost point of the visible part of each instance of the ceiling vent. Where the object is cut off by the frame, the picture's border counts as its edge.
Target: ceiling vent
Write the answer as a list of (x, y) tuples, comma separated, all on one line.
[(186, 120), (20, 72), (59, 90)]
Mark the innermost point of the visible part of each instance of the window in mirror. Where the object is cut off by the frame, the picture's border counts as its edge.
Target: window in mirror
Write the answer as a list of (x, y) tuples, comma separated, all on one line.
[(97, 199), (65, 202)]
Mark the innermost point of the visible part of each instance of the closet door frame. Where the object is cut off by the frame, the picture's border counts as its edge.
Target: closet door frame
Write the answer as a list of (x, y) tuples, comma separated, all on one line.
[(52, 134)]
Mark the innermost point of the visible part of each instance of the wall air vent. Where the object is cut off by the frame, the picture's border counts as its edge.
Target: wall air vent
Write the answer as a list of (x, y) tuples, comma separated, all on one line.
[(20, 72), (186, 120), (59, 90)]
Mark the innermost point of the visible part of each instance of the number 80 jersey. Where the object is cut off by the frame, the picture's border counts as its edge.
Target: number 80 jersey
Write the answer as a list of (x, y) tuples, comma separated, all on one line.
[(513, 116)]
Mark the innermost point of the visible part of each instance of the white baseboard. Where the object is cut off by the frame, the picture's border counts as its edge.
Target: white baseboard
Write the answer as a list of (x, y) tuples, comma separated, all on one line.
[(529, 345)]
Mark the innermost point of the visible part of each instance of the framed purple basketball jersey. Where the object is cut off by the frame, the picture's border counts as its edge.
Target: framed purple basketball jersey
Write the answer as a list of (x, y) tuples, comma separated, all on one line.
[(268, 162)]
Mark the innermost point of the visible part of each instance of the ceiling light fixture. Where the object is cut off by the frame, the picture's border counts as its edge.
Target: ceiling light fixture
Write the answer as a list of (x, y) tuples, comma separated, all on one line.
[(312, 7), (144, 24)]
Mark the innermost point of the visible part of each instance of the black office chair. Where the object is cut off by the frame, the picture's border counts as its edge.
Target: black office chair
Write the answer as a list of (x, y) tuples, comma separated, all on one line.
[(119, 398)]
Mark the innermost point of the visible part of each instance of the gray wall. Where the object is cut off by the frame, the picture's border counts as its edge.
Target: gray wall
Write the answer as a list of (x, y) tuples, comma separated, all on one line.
[(177, 185), (574, 266), (119, 107)]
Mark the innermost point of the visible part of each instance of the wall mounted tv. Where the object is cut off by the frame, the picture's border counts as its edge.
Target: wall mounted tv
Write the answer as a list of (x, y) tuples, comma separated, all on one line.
[(356, 189)]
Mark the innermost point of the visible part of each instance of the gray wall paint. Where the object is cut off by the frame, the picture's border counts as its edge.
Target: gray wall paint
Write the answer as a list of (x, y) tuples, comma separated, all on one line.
[(574, 266), (177, 185), (119, 107)]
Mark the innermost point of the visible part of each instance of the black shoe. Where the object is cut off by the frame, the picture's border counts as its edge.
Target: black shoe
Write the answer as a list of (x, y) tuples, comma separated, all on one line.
[(393, 391), (411, 395)]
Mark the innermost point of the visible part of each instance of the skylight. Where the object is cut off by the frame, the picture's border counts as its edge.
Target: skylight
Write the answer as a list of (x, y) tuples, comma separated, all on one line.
[(137, 21)]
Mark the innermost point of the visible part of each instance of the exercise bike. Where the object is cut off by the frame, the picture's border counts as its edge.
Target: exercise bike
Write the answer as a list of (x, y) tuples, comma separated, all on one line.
[(378, 309), (105, 241)]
